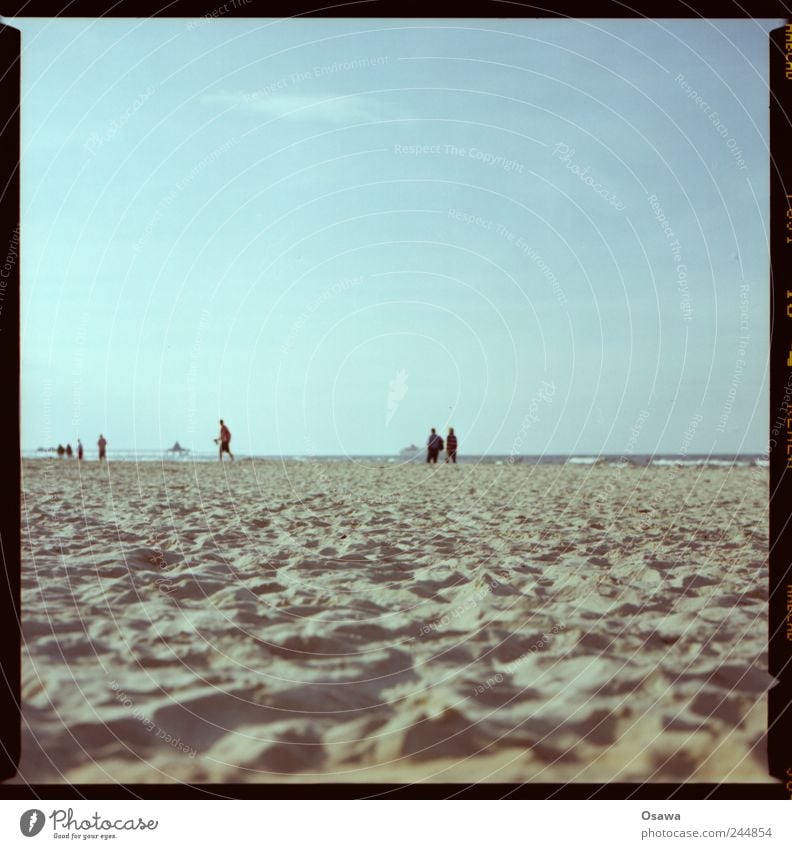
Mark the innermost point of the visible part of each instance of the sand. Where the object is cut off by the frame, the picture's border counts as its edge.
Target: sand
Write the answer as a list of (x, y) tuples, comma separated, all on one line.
[(367, 622)]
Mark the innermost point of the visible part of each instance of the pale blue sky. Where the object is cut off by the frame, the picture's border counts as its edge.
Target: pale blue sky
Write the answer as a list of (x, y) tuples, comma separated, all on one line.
[(226, 219)]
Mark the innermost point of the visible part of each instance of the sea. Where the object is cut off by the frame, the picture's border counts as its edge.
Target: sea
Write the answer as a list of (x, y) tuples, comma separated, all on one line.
[(154, 455)]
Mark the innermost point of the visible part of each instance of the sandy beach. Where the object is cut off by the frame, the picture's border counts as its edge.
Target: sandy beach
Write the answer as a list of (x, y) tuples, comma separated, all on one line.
[(372, 622)]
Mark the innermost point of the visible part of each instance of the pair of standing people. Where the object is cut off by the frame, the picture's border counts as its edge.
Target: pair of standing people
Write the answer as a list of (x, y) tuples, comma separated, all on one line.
[(435, 445)]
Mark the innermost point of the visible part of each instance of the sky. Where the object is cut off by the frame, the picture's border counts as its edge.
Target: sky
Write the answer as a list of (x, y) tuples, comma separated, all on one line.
[(549, 234)]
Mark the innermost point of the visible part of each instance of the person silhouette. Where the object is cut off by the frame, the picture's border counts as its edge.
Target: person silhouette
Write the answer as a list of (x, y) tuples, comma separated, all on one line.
[(102, 443), (451, 446), (80, 452), (224, 441), (434, 446), (69, 452)]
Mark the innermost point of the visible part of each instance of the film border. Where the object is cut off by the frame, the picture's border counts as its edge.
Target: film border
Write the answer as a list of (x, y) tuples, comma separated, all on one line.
[(781, 337)]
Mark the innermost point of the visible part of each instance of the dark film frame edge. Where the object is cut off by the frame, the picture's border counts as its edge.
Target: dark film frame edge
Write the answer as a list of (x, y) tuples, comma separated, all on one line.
[(779, 714), (779, 738), (10, 462)]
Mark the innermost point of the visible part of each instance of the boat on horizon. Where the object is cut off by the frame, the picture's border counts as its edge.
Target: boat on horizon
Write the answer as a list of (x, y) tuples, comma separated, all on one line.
[(410, 453)]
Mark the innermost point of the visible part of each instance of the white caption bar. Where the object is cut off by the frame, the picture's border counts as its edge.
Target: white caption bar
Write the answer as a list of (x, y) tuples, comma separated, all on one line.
[(394, 824)]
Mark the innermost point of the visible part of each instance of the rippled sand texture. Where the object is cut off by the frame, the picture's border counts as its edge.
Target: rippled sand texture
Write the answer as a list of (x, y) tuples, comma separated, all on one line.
[(364, 622)]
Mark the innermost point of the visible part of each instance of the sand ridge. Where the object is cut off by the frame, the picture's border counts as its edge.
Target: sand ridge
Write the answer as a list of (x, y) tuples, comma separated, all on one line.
[(360, 621)]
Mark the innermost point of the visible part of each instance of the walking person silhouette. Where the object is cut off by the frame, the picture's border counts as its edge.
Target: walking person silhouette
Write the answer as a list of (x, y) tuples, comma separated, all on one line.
[(224, 440)]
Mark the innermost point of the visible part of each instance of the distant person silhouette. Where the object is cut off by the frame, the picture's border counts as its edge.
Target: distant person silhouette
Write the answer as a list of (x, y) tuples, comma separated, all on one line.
[(69, 452), (224, 441), (451, 446), (434, 446), (102, 443), (61, 450), (80, 452)]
